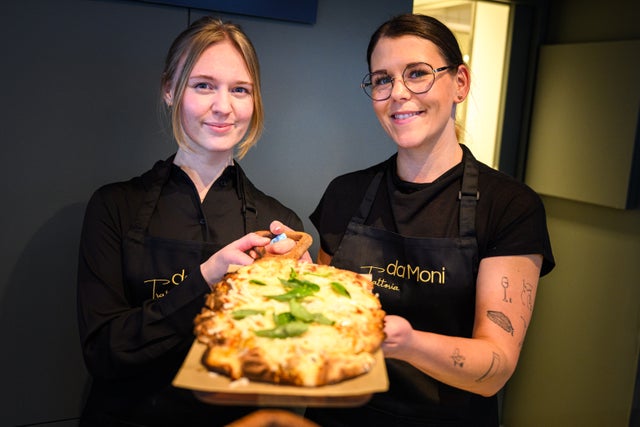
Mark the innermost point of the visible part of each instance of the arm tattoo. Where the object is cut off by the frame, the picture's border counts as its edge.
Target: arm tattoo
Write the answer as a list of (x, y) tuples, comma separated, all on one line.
[(493, 368), (458, 359), (505, 285), (524, 328), (527, 295), (500, 319)]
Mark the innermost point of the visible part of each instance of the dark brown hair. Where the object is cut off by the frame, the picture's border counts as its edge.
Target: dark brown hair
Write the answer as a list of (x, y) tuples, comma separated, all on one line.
[(423, 26)]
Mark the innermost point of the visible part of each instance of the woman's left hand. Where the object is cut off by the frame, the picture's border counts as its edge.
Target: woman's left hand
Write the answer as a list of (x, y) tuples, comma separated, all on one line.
[(398, 334)]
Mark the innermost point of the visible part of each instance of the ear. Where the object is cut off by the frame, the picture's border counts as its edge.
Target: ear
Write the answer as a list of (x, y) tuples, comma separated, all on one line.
[(463, 83), (167, 94)]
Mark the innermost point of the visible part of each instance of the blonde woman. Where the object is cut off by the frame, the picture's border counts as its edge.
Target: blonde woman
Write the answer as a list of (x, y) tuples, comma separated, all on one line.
[(153, 246)]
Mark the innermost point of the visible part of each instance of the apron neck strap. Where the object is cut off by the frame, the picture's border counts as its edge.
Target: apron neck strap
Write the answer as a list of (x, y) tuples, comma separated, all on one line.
[(369, 197), (153, 181), (245, 194), (468, 194)]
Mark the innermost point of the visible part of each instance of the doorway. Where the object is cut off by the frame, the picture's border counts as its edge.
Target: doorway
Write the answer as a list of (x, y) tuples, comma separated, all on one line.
[(481, 28)]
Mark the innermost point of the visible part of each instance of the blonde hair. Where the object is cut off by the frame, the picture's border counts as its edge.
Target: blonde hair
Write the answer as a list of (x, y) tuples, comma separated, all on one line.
[(182, 57)]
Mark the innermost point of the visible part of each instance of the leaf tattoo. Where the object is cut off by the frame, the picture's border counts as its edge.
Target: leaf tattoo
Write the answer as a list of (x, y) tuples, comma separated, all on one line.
[(501, 320)]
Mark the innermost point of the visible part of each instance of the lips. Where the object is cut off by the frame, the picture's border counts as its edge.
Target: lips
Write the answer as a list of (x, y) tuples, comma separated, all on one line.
[(219, 127), (405, 115)]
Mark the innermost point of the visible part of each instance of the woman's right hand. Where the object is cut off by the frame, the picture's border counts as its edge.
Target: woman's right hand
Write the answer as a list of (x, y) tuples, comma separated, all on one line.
[(276, 227), (236, 252), (239, 252)]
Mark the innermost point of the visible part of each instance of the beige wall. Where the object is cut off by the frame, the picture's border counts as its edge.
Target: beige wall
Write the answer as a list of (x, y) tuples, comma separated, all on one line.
[(579, 362)]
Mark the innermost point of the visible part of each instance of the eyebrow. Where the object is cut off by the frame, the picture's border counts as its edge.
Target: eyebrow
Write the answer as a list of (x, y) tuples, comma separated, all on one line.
[(208, 77), (408, 64)]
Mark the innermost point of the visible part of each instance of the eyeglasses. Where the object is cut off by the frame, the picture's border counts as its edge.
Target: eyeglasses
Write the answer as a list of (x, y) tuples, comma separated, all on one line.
[(418, 78)]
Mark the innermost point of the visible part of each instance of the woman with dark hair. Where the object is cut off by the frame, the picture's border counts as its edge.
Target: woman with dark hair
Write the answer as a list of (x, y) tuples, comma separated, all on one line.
[(154, 246), (455, 248)]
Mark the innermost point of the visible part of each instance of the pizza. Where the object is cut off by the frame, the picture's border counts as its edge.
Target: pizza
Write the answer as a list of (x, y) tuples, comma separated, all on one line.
[(285, 321)]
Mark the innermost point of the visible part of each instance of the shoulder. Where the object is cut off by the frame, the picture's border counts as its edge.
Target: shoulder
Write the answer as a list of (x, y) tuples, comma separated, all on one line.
[(339, 202), (345, 192), (492, 180), (122, 199), (511, 218), (500, 188), (269, 208), (353, 182), (130, 189)]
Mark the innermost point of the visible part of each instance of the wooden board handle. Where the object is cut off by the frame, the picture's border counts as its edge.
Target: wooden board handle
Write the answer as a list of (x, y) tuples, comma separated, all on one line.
[(302, 239)]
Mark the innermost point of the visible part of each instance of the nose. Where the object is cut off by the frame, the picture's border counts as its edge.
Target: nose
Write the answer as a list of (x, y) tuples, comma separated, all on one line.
[(221, 102), (399, 90)]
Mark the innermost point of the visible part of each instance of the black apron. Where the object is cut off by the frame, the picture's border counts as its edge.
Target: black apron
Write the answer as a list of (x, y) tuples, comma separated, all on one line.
[(431, 283), (155, 265)]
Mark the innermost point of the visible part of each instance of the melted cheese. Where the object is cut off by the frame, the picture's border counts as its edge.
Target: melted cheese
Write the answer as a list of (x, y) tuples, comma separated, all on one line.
[(352, 336)]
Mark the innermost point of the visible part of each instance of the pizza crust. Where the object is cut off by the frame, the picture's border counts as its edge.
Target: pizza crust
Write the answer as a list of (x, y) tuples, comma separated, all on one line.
[(338, 344)]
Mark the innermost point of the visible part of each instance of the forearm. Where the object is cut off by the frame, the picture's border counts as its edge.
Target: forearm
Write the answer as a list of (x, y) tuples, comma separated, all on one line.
[(483, 363), (118, 340), (471, 364)]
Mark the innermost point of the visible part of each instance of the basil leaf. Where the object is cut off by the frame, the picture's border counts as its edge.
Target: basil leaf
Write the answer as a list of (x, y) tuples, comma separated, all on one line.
[(311, 273), (299, 312), (257, 282), (297, 291), (304, 315), (297, 283), (283, 318), (340, 289), (322, 319), (242, 313), (292, 329)]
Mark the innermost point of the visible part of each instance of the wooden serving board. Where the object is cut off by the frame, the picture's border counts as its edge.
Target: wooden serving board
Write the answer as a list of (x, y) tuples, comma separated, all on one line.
[(219, 389)]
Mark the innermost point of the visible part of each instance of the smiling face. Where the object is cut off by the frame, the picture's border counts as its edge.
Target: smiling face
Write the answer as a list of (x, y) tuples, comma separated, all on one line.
[(217, 102), (423, 120)]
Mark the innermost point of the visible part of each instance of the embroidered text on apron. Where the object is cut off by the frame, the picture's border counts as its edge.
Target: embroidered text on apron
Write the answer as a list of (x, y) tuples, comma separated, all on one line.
[(428, 281)]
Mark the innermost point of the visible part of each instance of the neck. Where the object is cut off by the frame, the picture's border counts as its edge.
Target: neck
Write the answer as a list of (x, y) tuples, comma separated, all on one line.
[(203, 170), (427, 165)]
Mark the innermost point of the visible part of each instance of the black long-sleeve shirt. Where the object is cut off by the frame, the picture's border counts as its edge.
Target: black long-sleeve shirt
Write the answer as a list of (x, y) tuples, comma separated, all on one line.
[(133, 346)]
